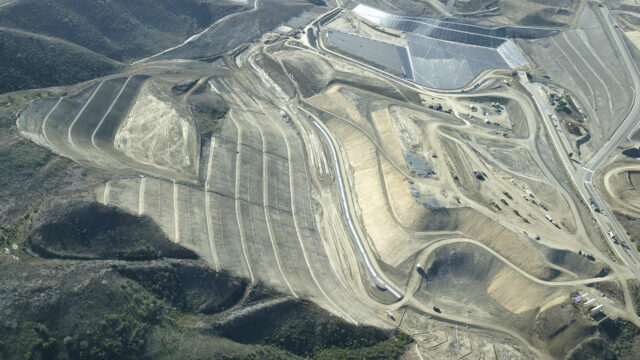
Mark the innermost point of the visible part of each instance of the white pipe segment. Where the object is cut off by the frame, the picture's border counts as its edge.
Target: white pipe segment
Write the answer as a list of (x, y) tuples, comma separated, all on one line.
[(347, 216)]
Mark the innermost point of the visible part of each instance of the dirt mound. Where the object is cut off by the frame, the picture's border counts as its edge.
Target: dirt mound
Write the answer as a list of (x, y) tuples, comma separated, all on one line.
[(208, 109), (574, 262), (276, 73), (464, 278), (479, 227), (311, 74), (561, 327)]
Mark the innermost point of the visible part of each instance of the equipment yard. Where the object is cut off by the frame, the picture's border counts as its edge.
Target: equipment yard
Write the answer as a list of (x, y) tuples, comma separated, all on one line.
[(398, 171)]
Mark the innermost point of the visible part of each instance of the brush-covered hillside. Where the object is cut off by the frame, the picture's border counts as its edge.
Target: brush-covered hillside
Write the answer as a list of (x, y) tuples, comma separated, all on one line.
[(59, 42)]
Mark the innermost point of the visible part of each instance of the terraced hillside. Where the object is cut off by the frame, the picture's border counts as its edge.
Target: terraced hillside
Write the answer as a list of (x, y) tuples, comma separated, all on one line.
[(454, 216)]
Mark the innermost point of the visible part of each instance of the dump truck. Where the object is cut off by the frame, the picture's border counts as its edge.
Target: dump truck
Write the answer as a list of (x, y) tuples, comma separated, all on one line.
[(390, 315), (478, 175)]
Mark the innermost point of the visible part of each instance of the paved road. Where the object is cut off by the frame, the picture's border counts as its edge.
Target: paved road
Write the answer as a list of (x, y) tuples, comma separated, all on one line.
[(545, 110), (582, 175), (628, 125)]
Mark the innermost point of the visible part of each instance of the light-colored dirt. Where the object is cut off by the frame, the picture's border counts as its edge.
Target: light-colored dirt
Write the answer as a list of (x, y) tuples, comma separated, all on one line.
[(382, 121), (153, 133), (406, 209), (523, 297), (392, 243)]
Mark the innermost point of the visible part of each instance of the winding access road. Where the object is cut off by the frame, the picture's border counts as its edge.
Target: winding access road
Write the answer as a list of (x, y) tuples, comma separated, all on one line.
[(582, 175)]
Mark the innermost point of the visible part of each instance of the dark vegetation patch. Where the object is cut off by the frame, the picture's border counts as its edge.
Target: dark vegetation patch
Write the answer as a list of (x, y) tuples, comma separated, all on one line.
[(31, 61), (607, 339), (30, 176), (95, 231), (327, 339), (102, 311), (183, 87), (593, 349), (632, 153), (59, 42), (119, 29), (100, 314), (540, 18), (20, 162), (208, 108), (622, 336), (276, 73), (188, 288)]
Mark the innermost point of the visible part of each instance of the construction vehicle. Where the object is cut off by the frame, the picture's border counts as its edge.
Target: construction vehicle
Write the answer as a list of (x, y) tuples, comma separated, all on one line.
[(390, 315), (612, 236), (586, 255), (478, 175)]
